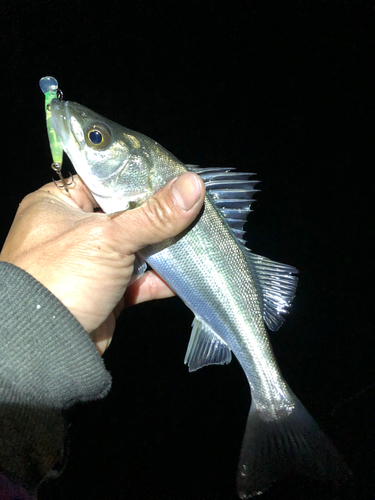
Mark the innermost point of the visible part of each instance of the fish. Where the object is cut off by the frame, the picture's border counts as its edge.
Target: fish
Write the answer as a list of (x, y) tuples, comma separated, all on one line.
[(235, 295)]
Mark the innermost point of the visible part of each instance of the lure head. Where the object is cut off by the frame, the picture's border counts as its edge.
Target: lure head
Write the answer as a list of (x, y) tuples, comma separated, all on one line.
[(122, 168)]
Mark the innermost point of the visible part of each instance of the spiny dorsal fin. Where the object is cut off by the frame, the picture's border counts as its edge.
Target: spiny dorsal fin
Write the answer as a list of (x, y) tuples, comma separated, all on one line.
[(205, 347), (232, 192)]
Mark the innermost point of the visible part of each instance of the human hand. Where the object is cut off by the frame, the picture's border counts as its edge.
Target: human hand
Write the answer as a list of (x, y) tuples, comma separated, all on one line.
[(85, 258)]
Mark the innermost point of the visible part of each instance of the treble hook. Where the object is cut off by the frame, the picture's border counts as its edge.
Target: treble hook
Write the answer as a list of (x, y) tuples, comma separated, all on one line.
[(56, 167)]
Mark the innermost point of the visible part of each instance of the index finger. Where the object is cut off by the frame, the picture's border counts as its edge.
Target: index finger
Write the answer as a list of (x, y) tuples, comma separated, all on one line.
[(149, 287), (78, 194)]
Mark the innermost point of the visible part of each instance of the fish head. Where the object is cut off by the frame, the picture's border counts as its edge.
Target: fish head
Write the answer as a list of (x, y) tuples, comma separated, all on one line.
[(113, 161)]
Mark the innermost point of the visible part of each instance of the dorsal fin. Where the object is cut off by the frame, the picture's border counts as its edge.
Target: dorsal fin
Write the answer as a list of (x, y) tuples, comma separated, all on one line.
[(205, 347), (232, 192), (276, 284)]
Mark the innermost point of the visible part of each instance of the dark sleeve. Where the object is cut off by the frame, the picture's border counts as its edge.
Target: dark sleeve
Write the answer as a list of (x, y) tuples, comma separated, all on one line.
[(47, 363)]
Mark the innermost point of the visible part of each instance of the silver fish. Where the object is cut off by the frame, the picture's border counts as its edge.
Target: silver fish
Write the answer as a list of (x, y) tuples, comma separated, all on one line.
[(232, 292)]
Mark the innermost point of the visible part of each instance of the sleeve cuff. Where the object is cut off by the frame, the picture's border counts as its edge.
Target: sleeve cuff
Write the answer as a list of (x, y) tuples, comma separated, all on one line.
[(45, 354)]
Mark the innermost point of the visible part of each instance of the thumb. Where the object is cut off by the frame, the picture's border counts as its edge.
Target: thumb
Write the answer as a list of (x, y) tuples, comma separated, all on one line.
[(164, 215)]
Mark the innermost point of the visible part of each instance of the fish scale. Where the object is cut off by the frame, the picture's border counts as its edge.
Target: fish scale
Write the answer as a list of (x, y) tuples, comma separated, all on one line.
[(232, 292)]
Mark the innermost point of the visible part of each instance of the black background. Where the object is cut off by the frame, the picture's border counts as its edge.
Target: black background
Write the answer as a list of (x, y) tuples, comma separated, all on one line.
[(284, 89)]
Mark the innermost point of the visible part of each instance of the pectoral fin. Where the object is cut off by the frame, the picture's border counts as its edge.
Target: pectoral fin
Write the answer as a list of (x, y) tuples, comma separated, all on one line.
[(205, 347), (140, 267)]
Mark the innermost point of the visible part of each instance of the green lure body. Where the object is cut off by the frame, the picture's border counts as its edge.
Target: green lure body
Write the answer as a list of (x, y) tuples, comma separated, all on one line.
[(49, 87)]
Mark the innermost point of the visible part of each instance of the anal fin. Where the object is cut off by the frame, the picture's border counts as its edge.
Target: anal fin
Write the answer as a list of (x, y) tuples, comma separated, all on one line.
[(205, 347)]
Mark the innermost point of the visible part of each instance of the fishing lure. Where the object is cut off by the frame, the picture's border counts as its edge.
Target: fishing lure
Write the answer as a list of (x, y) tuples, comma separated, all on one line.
[(49, 87)]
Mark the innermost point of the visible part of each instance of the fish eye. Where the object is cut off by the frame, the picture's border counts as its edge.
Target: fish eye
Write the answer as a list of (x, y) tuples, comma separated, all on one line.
[(95, 136), (98, 136)]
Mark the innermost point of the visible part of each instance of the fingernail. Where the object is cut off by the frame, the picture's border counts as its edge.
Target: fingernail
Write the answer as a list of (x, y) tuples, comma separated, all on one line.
[(186, 190)]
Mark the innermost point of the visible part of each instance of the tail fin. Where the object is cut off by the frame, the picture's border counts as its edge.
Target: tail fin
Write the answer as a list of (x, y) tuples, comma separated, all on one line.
[(274, 447)]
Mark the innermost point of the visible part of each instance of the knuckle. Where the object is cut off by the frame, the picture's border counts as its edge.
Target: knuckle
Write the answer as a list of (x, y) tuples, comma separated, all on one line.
[(159, 214), (27, 201), (99, 231)]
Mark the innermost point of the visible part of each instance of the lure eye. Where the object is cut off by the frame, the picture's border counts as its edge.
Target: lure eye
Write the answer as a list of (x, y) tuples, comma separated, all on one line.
[(98, 136)]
